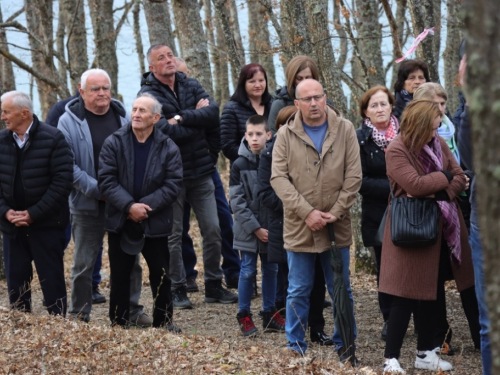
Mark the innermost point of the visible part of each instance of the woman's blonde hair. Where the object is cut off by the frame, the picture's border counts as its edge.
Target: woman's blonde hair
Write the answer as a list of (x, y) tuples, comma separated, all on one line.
[(430, 89), (416, 123), (285, 114), (296, 65)]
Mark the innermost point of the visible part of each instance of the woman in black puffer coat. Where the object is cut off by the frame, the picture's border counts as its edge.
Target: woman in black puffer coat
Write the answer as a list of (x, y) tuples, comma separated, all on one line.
[(251, 97)]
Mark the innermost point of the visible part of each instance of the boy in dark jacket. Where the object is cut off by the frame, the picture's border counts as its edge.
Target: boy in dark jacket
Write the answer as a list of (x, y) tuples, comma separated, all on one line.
[(250, 235)]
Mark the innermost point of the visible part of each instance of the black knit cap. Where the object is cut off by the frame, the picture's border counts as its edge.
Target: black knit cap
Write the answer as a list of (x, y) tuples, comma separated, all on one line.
[(461, 49)]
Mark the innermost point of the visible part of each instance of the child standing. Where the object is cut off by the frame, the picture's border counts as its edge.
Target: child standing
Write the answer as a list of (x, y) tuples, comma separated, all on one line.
[(250, 233)]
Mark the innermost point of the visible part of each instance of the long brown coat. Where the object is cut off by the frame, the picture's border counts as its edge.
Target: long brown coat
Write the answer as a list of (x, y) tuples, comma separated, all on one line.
[(413, 273), (305, 180)]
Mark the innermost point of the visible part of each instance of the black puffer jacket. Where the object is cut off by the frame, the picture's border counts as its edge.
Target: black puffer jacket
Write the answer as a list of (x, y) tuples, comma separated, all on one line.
[(269, 200), (399, 105), (375, 188), (233, 125), (47, 176), (200, 146), (162, 181)]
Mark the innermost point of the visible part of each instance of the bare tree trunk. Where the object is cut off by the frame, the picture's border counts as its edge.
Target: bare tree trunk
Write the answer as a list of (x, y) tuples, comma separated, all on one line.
[(483, 95), (7, 79), (450, 55), (101, 12), (39, 18), (159, 24), (221, 60), (76, 44), (330, 78), (137, 35), (60, 34), (400, 23), (342, 35), (193, 41), (370, 33), (235, 27), (232, 47), (423, 17), (296, 25), (364, 260)]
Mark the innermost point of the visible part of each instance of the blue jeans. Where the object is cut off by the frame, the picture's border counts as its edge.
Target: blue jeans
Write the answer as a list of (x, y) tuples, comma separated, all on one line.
[(300, 284), (484, 321), (230, 258), (247, 277)]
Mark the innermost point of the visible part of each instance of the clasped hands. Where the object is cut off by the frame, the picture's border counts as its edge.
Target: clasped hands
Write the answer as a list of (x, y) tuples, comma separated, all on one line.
[(317, 220), (19, 218), (138, 212)]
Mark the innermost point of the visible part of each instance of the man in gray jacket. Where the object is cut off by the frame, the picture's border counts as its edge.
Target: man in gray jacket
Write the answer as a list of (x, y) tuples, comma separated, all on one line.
[(88, 121)]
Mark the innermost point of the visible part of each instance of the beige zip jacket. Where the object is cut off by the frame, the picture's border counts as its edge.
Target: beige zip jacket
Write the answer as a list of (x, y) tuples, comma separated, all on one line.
[(305, 180)]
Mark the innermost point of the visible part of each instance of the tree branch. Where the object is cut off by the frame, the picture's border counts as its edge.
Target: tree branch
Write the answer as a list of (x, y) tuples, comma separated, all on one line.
[(120, 23), (20, 27), (60, 89), (15, 15), (394, 29)]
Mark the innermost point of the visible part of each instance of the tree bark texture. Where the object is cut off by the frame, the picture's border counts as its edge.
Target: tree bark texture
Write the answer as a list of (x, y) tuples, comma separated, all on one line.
[(136, 12), (317, 11), (400, 23), (76, 45), (259, 41), (423, 17), (7, 79), (370, 37), (295, 22), (450, 54), (39, 18), (483, 96), (235, 27), (60, 34), (159, 24), (221, 60), (193, 40), (101, 12), (364, 260), (339, 28)]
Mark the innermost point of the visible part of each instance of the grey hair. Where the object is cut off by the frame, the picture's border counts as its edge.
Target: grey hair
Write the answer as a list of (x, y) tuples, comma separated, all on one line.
[(156, 107), (153, 48), (87, 73), (19, 99), (180, 60)]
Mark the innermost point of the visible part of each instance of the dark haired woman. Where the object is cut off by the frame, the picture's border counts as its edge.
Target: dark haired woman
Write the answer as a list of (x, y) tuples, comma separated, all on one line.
[(411, 74), (251, 97), (421, 165)]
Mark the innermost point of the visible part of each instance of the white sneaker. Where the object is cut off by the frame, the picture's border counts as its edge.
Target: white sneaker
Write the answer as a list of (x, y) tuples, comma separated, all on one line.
[(431, 361), (392, 366)]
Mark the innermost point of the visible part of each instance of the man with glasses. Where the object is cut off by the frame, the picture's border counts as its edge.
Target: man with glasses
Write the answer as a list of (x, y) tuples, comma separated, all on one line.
[(316, 172), (88, 121)]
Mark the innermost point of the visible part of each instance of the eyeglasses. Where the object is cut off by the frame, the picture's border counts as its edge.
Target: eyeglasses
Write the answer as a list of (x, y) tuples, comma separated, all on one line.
[(308, 99), (96, 89)]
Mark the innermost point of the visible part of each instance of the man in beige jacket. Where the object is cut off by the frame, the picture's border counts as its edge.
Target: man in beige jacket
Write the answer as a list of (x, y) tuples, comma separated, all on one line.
[(316, 172)]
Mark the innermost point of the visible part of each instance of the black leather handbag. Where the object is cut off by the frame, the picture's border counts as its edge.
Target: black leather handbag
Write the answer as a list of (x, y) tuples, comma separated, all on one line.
[(414, 221)]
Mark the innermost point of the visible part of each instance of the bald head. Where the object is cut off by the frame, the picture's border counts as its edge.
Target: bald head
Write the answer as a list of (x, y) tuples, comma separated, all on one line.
[(311, 101)]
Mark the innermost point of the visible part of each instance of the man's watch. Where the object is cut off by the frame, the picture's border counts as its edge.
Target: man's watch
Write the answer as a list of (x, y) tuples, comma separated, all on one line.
[(177, 118)]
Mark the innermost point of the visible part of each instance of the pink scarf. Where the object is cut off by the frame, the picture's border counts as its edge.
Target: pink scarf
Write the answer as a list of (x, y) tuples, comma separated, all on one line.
[(382, 140)]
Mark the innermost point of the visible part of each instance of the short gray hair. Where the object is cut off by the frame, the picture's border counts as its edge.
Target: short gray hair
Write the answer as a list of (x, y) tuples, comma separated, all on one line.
[(88, 73), (19, 99), (156, 107)]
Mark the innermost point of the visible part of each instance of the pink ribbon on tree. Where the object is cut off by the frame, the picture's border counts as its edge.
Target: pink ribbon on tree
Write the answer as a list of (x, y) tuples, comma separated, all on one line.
[(415, 44)]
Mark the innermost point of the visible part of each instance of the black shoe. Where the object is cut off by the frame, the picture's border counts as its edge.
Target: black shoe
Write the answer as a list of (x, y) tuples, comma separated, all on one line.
[(215, 293), (327, 304), (245, 322), (191, 287), (232, 283), (383, 334), (173, 329), (97, 297), (344, 357), (272, 321), (321, 338), (180, 299)]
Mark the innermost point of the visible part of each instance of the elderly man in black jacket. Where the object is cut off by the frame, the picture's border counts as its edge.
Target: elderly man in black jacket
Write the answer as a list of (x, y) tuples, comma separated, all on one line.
[(140, 176), (180, 98), (36, 174)]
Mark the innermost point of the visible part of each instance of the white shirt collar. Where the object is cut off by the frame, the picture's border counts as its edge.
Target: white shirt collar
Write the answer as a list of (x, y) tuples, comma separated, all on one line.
[(18, 140)]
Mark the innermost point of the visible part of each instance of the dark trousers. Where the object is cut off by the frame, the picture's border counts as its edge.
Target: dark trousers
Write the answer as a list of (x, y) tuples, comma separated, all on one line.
[(156, 253), (316, 321), (384, 299), (231, 262), (44, 247)]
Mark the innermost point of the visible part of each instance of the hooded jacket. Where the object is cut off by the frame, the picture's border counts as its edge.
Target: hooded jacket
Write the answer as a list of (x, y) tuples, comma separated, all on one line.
[(84, 198), (305, 180), (46, 173), (200, 150), (162, 181), (245, 204)]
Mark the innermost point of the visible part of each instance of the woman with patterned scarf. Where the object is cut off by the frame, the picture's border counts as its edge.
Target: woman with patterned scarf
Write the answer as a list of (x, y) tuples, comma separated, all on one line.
[(421, 165), (379, 128), (411, 74)]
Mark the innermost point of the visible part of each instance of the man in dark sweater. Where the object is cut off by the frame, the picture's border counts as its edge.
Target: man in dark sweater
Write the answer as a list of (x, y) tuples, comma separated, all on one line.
[(35, 182), (88, 121)]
